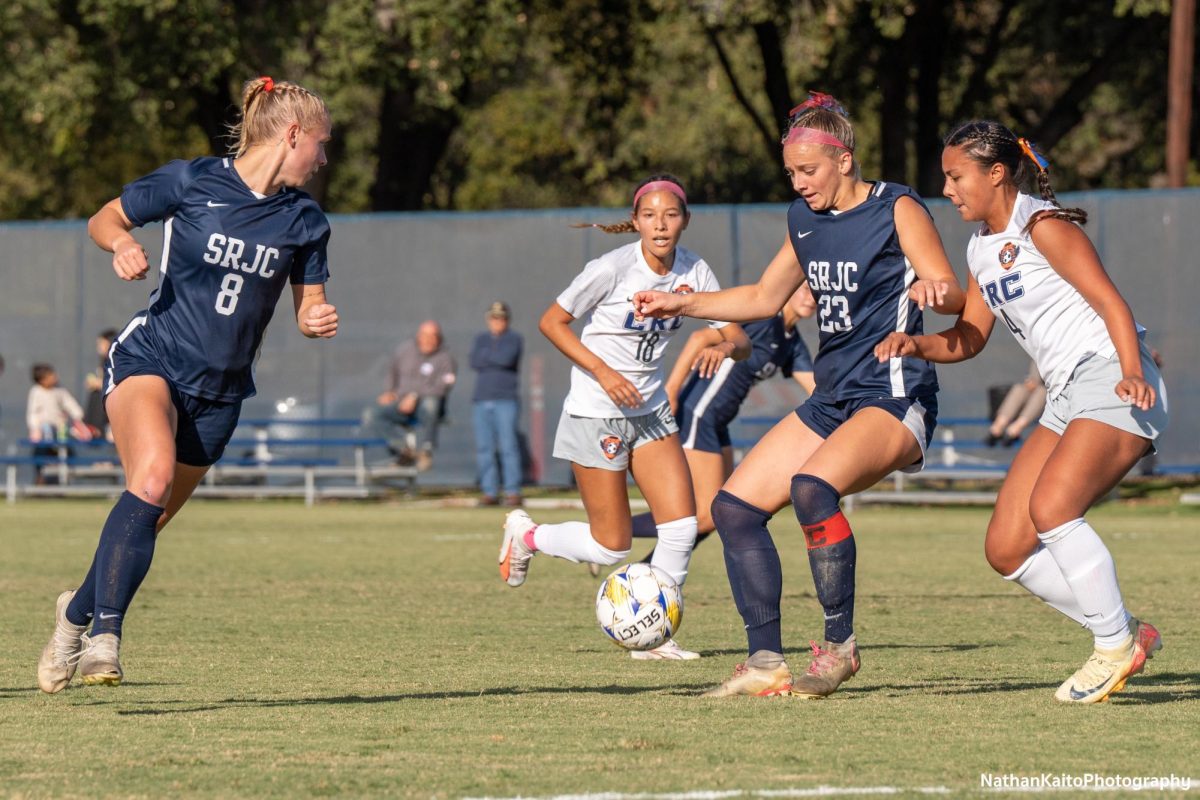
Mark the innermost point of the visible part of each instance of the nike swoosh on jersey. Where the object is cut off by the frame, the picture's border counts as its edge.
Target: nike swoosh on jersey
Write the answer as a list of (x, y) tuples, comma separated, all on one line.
[(802, 235), (211, 204)]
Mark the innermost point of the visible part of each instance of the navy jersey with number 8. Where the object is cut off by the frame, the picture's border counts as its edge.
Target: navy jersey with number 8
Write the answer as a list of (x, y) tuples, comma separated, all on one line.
[(227, 254)]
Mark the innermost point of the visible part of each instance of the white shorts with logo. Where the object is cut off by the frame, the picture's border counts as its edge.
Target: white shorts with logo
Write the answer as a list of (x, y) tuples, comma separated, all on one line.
[(607, 442), (1089, 395)]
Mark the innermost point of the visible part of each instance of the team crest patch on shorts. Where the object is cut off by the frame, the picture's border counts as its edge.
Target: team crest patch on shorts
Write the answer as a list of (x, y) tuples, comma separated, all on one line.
[(611, 445), (1008, 255)]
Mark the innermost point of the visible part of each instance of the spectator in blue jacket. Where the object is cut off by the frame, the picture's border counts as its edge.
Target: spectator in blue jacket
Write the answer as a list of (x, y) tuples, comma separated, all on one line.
[(496, 359)]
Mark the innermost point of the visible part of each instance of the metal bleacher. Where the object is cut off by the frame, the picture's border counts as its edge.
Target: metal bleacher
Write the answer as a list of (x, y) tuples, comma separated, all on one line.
[(957, 455), (258, 462), (960, 467)]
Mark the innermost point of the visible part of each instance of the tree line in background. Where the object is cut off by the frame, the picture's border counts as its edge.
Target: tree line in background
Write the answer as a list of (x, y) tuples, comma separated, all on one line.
[(481, 104)]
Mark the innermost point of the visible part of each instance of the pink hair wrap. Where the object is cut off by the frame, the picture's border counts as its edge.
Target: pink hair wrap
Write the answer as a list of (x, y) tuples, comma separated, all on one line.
[(801, 135), (660, 186)]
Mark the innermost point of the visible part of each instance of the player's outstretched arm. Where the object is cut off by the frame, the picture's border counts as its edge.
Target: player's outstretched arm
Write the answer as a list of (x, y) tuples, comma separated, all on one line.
[(936, 286), (110, 230), (966, 339), (738, 304), (315, 318), (555, 325)]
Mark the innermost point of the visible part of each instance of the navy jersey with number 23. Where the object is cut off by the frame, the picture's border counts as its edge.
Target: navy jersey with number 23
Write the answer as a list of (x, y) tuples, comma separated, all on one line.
[(860, 279), (227, 254)]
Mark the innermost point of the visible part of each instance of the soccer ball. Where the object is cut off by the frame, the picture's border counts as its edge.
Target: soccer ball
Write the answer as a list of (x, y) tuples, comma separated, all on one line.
[(639, 606)]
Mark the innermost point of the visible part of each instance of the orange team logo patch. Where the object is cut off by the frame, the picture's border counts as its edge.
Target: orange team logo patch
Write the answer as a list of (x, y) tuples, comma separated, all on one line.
[(682, 288), (1008, 255), (611, 445)]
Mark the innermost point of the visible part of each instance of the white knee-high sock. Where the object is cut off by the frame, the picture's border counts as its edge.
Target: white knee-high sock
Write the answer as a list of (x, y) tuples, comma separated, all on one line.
[(676, 540), (1041, 577), (573, 541), (1088, 569)]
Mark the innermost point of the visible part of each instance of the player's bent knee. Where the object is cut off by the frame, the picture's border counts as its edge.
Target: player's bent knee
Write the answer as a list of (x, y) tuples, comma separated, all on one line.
[(153, 485), (1004, 560), (814, 499), (737, 522)]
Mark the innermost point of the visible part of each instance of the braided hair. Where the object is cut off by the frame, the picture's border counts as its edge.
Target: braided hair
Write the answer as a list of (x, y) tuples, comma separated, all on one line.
[(268, 105), (987, 142), (627, 226)]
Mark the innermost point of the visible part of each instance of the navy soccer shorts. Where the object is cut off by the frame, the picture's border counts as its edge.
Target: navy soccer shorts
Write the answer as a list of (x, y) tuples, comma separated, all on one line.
[(918, 414), (205, 426)]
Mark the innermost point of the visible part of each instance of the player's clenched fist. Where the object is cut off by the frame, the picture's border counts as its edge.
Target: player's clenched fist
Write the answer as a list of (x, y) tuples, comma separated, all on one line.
[(322, 320), (129, 260)]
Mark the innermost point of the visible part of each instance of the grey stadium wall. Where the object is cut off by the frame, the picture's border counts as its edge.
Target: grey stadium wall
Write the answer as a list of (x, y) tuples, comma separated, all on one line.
[(391, 271)]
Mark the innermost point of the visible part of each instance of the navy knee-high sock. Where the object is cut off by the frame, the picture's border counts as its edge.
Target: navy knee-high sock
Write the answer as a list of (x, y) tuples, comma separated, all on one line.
[(122, 561), (831, 552), (755, 575), (79, 610), (643, 526)]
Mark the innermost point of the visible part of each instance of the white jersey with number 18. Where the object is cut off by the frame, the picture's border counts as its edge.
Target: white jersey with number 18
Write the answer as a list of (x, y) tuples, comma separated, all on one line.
[(1046, 314), (634, 348)]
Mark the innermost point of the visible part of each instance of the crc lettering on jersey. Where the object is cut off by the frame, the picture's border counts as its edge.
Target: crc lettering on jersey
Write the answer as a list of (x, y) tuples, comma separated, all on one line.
[(227, 252), (652, 324), (1003, 290), (827, 278)]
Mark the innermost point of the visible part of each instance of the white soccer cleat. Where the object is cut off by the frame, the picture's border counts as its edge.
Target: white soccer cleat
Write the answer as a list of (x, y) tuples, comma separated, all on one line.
[(514, 553), (56, 666), (100, 662), (1103, 674), (668, 651)]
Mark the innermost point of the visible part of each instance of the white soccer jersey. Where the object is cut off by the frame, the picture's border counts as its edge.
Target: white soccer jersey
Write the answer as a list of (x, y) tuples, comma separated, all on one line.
[(602, 292), (1046, 314)]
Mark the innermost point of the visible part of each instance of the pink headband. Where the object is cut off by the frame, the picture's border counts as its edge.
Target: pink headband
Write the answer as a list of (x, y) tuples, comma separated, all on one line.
[(660, 186), (802, 135)]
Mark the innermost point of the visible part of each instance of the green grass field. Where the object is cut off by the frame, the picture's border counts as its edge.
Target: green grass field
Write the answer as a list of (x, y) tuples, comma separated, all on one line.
[(368, 650)]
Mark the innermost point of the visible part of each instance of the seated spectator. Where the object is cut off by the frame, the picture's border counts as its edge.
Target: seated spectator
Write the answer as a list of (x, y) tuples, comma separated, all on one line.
[(412, 408), (52, 414), (1022, 406)]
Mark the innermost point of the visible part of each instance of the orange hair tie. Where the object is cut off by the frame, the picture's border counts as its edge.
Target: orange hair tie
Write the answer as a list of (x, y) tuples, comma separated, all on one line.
[(268, 83), (1032, 152)]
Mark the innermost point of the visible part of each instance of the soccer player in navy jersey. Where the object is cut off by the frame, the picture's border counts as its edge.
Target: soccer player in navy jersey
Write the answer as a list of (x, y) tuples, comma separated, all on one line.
[(873, 259), (235, 231)]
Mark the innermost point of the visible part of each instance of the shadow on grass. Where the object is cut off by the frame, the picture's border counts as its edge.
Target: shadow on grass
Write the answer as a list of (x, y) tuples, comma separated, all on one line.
[(354, 699), (951, 685), (10, 692), (798, 654), (1165, 687)]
